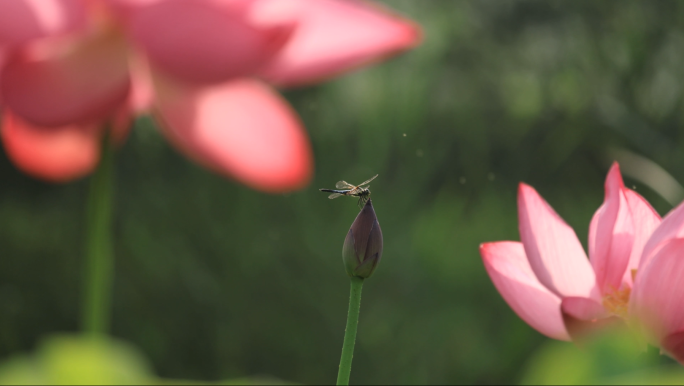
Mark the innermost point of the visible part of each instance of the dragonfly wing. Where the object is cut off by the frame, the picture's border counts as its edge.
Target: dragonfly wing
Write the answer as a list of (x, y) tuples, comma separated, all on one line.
[(344, 185), (368, 181), (335, 195)]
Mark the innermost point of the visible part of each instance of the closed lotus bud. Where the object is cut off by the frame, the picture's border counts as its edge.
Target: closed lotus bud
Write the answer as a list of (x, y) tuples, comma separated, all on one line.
[(362, 247)]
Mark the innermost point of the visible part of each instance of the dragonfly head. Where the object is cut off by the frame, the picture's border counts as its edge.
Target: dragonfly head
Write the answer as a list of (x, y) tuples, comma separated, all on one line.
[(364, 196)]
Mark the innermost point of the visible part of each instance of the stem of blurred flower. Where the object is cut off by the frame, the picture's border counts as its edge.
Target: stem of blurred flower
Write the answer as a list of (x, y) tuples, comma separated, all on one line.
[(99, 268), (350, 331)]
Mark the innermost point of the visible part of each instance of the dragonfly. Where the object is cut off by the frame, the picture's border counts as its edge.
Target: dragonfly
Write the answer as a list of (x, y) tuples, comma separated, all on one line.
[(344, 188)]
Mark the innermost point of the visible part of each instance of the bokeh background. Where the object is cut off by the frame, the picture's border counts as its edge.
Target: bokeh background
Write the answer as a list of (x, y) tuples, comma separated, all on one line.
[(217, 281)]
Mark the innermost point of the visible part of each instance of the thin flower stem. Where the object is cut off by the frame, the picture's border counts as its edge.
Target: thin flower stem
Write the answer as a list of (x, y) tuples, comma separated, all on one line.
[(350, 331), (99, 263)]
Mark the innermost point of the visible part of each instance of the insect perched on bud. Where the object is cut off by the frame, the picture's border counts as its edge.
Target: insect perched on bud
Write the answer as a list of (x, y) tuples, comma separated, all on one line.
[(362, 247), (344, 188)]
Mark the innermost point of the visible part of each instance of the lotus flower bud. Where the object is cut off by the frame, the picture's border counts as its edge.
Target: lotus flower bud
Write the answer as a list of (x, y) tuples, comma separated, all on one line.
[(362, 247)]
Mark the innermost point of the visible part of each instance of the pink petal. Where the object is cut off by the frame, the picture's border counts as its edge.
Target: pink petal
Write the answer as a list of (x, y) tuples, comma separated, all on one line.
[(335, 36), (671, 227), (141, 95), (205, 41), (611, 235), (63, 83), (130, 4), (53, 154), (658, 294), (3, 56), (555, 254), (583, 308), (25, 20), (673, 344), (240, 128), (119, 125), (646, 220), (585, 317), (510, 271)]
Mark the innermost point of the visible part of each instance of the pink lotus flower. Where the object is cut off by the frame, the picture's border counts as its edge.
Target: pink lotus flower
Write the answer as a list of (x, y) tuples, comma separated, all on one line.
[(635, 270), (200, 66)]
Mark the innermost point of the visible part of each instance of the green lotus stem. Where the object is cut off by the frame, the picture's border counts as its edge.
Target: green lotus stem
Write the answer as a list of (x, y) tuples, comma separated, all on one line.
[(99, 262), (350, 331)]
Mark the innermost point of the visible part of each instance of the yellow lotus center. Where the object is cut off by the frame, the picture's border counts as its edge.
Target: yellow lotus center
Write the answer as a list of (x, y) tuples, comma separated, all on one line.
[(617, 301)]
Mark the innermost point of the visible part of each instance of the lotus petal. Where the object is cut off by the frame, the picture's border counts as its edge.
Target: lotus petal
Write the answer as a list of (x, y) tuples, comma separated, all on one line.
[(335, 36), (67, 83), (657, 298), (512, 275), (204, 41), (54, 154), (611, 235), (646, 221), (671, 227), (24, 20), (240, 128), (555, 254)]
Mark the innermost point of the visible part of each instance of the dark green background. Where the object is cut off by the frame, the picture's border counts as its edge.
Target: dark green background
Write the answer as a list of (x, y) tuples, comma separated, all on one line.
[(216, 281)]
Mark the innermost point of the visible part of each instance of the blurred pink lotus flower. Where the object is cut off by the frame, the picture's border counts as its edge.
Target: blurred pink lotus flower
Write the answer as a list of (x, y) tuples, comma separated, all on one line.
[(635, 270), (201, 67)]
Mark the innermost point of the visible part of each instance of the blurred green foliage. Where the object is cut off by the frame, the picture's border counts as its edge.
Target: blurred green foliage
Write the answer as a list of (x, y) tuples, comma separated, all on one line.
[(67, 360), (216, 281), (614, 357), (82, 360)]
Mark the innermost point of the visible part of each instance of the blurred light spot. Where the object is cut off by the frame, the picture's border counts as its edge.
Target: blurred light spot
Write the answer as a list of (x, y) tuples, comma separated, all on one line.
[(649, 173), (419, 153)]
